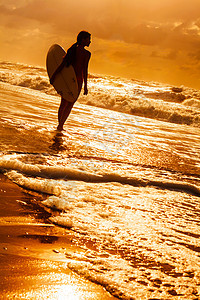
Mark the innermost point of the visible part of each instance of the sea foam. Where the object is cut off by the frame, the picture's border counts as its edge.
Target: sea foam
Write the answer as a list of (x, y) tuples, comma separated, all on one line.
[(67, 173), (147, 99)]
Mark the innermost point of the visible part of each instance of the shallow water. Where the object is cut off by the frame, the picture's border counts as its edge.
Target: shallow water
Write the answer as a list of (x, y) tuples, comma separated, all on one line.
[(127, 186)]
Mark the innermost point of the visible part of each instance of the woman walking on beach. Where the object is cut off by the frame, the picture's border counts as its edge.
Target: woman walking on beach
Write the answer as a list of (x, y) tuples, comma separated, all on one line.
[(78, 57)]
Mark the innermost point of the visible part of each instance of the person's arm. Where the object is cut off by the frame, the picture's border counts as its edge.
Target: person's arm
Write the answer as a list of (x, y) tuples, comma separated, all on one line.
[(67, 60), (63, 63), (85, 72)]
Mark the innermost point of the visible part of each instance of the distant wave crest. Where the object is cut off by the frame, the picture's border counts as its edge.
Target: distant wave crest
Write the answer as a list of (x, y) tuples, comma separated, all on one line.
[(146, 99)]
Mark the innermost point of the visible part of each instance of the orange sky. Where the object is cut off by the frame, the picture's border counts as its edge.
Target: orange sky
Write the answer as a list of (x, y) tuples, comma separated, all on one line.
[(144, 39)]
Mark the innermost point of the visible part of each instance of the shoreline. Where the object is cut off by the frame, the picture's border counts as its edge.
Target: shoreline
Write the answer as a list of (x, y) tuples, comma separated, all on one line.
[(33, 252)]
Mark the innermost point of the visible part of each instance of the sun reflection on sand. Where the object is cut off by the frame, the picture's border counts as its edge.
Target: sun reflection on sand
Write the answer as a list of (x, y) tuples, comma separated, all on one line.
[(70, 292), (41, 279)]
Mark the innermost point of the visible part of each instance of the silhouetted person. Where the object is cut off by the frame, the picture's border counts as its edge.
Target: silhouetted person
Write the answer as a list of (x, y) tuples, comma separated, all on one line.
[(78, 57)]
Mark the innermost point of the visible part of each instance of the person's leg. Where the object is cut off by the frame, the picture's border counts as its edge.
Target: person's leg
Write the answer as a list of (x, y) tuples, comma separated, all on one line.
[(66, 107), (60, 110), (66, 111), (63, 112)]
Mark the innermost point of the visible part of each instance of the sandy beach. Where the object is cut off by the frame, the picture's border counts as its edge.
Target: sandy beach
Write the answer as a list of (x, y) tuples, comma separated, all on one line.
[(111, 204), (32, 252)]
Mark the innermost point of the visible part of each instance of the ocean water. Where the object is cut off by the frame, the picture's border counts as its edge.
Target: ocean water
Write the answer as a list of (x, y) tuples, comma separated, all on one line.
[(123, 176)]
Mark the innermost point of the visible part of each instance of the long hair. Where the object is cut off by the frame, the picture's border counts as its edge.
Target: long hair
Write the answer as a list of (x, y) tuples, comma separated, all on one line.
[(70, 57)]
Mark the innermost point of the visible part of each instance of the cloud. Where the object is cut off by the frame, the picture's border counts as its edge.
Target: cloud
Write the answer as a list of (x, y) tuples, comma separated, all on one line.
[(171, 55), (145, 35), (140, 22)]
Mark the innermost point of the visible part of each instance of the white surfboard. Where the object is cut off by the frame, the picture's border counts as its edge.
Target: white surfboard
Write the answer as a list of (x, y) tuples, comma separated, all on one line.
[(65, 82)]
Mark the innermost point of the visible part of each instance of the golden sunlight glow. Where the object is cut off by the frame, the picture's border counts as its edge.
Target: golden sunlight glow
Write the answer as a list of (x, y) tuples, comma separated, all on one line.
[(149, 40), (69, 292)]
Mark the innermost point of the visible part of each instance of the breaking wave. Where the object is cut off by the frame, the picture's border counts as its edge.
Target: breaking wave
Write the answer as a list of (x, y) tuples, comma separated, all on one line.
[(179, 105), (16, 169)]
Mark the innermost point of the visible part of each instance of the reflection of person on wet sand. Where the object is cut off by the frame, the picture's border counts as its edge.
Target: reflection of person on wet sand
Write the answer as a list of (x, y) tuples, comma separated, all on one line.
[(78, 57), (58, 142)]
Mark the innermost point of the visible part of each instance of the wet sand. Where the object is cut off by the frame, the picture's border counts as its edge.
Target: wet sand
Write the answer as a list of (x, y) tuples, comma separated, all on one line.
[(32, 252)]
